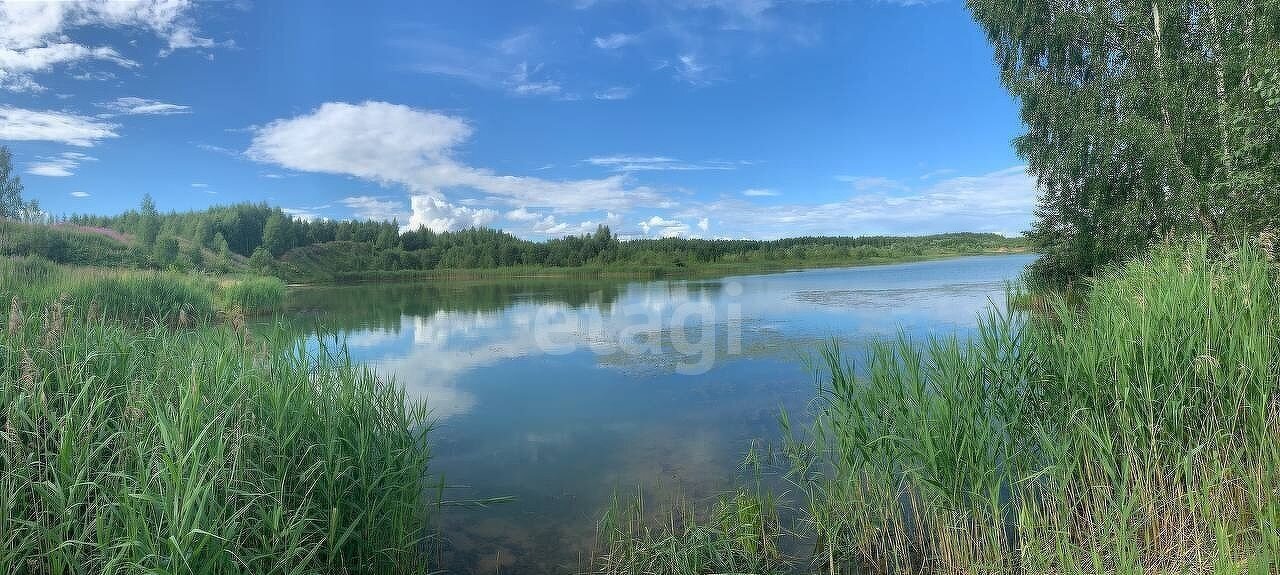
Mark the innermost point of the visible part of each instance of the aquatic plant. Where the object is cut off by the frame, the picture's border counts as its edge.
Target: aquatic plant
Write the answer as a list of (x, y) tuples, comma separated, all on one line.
[(149, 449), (1132, 431)]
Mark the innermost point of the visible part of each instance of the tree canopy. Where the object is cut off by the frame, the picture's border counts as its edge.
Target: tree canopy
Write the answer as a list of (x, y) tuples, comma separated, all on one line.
[(12, 206), (1144, 119)]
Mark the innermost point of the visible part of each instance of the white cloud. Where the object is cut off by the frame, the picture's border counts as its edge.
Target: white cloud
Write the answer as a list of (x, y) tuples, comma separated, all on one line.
[(504, 65), (17, 65), (34, 36), (873, 183), (704, 224), (690, 69), (521, 215), (663, 227), (199, 185), (1001, 202), (438, 215), (374, 140), (657, 163), (59, 166), (378, 209), (614, 41), (308, 213), (614, 93), (759, 193), (397, 145), (937, 173), (523, 82), (49, 126), (141, 106), (79, 194)]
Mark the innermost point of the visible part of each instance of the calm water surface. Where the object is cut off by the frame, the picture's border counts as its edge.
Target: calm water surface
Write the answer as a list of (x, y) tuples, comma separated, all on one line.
[(560, 392)]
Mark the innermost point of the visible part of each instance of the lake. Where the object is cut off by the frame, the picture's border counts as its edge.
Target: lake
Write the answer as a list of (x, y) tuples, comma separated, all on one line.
[(561, 392)]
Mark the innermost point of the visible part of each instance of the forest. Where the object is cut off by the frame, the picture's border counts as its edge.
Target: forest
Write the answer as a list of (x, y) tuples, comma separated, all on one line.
[(299, 249)]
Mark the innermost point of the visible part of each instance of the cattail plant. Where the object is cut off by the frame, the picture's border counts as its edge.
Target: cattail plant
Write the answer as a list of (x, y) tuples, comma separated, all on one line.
[(15, 316)]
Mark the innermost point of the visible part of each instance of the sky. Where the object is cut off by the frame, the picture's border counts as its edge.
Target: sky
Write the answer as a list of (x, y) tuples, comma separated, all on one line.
[(694, 118)]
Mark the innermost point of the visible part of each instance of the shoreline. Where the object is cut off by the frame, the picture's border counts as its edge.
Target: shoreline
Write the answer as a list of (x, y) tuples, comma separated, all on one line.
[(706, 271)]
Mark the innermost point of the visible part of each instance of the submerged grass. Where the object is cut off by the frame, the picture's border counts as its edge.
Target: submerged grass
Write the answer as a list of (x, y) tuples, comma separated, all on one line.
[(1136, 431), (739, 535), (200, 451)]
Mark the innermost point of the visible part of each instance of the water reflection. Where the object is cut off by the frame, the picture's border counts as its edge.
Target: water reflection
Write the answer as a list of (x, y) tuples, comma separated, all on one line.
[(559, 392)]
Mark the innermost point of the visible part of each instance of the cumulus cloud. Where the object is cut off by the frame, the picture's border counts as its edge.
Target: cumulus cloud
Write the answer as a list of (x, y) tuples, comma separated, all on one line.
[(393, 144), (79, 194), (34, 35), (438, 215), (141, 106), (759, 193), (59, 166), (663, 227), (521, 215), (49, 126)]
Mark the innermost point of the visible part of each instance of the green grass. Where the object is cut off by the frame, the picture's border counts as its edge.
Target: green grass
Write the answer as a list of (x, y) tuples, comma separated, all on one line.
[(137, 296), (739, 535), (128, 296), (206, 450), (68, 245), (254, 295), (1133, 431)]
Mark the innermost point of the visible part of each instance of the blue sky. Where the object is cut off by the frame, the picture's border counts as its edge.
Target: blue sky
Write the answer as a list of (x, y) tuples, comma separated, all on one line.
[(705, 118)]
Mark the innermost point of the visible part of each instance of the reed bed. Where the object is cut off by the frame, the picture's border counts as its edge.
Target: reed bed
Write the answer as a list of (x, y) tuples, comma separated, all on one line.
[(1136, 430), (254, 295), (204, 450), (135, 297)]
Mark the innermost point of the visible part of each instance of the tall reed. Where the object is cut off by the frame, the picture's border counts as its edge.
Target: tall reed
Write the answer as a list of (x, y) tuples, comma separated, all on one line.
[(156, 450), (1134, 431)]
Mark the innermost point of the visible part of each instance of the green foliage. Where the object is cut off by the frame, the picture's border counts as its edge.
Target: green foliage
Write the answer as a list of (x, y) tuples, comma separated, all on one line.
[(195, 255), (124, 296), (148, 222), (220, 246), (200, 451), (1144, 120), (65, 245), (260, 261), (326, 250), (10, 187), (1133, 433), (12, 206), (166, 251), (740, 535), (253, 295), (273, 239)]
